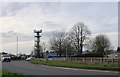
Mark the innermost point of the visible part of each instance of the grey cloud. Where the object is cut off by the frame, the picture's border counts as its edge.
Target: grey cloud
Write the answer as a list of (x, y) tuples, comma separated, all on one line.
[(51, 24), (107, 27), (11, 36), (8, 7), (48, 34)]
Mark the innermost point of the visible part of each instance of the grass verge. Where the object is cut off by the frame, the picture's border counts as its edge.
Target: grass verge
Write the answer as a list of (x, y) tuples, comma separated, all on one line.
[(5, 73), (73, 64)]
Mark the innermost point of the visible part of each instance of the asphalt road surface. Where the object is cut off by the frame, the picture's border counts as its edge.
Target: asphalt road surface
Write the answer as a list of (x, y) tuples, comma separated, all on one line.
[(27, 68)]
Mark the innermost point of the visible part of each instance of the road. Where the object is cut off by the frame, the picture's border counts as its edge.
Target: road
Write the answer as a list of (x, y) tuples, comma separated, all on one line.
[(33, 69)]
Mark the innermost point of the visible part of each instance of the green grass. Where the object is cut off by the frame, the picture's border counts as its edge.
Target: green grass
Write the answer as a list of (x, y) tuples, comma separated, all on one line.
[(5, 73), (73, 64), (0, 72), (9, 73)]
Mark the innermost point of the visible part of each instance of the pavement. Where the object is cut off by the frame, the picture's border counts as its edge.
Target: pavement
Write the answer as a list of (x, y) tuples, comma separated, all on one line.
[(27, 68)]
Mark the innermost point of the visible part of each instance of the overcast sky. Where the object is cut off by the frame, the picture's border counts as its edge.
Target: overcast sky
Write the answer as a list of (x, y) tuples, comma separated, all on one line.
[(21, 18)]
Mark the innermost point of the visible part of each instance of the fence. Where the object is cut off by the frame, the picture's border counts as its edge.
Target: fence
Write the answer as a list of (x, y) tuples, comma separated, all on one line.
[(95, 60), (91, 60)]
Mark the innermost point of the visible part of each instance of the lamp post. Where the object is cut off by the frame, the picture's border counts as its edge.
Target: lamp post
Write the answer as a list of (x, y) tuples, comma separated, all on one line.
[(66, 44), (17, 45), (46, 56), (66, 51), (44, 48)]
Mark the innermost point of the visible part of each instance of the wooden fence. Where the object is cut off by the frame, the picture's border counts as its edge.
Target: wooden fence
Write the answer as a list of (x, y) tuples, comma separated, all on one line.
[(91, 60)]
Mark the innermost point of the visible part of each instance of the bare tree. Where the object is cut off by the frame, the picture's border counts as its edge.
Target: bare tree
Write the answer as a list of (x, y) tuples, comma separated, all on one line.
[(58, 42), (100, 44), (44, 46), (79, 34), (70, 50)]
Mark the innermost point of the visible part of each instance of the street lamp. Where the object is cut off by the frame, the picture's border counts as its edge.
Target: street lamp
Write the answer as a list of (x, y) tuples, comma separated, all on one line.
[(44, 47), (17, 45), (47, 55), (66, 44), (66, 51)]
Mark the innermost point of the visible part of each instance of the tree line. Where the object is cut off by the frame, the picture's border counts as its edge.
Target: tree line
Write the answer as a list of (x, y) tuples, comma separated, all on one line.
[(73, 42)]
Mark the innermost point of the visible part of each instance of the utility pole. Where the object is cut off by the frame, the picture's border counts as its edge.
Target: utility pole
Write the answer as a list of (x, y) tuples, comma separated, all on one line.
[(44, 48), (66, 51), (37, 42), (17, 45)]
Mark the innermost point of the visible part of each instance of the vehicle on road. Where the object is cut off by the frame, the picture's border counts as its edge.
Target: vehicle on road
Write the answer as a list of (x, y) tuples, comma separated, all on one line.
[(30, 58), (5, 58)]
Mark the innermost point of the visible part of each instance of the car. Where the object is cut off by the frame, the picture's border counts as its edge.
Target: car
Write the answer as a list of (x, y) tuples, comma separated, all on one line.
[(5, 58), (30, 58)]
